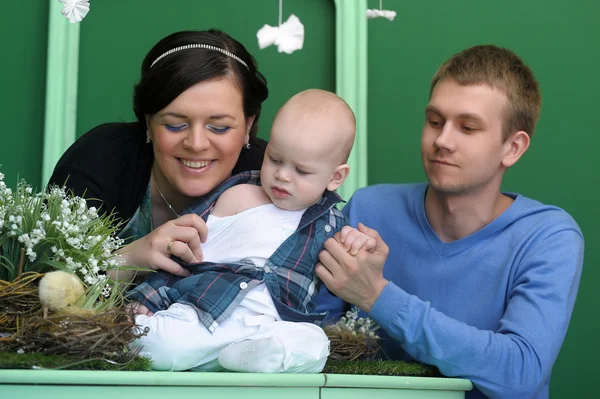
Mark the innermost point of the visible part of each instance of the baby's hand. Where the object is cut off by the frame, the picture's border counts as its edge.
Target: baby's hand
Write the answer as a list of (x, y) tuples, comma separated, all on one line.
[(353, 240), (137, 308)]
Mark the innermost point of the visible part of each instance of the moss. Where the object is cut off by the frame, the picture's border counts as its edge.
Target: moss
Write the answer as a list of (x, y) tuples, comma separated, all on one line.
[(380, 367), (11, 360)]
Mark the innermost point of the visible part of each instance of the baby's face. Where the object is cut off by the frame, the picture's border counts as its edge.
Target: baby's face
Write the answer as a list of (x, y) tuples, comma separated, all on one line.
[(297, 168)]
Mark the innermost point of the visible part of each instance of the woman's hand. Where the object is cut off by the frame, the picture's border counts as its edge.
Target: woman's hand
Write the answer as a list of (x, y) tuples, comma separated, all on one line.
[(180, 237)]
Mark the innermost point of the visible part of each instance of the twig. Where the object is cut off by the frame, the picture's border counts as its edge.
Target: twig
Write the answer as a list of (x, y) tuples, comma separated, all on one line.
[(21, 261)]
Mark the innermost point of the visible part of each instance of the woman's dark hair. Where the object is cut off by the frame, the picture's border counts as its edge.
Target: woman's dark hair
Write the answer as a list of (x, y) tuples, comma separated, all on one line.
[(177, 72)]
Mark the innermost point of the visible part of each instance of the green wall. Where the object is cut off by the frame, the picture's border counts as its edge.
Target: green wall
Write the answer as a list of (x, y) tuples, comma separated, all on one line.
[(23, 28), (110, 57), (559, 40)]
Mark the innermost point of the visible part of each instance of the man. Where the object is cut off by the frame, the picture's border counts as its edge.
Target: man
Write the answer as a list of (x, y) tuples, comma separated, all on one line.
[(477, 282)]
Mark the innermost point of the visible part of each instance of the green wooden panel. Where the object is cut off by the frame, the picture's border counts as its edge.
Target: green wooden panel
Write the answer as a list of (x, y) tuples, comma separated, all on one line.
[(61, 88), (23, 25), (157, 378), (351, 84), (558, 39), (103, 392), (115, 38), (61, 384), (345, 393), (411, 383)]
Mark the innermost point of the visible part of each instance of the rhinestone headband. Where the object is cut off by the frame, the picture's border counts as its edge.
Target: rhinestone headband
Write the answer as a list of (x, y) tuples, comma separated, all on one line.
[(205, 46)]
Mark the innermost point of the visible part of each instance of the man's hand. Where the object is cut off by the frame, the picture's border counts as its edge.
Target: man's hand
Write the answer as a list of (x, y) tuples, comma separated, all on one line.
[(357, 279)]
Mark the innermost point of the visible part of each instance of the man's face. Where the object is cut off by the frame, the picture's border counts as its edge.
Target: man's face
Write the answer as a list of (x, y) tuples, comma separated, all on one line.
[(461, 144)]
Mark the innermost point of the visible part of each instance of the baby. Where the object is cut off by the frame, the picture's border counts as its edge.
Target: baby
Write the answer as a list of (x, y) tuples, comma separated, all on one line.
[(248, 306)]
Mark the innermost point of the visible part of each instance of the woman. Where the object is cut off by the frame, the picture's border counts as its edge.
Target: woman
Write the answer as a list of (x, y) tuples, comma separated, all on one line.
[(197, 106)]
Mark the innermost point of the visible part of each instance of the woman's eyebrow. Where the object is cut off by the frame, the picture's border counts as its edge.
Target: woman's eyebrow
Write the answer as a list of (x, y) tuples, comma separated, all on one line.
[(174, 114), (221, 116)]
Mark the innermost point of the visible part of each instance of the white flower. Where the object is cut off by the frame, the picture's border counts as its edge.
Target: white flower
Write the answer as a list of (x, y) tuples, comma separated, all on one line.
[(32, 255), (106, 291), (24, 238), (355, 325)]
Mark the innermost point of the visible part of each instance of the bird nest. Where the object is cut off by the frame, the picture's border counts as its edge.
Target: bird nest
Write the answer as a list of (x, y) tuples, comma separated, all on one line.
[(350, 345), (103, 335), (88, 335), (18, 301)]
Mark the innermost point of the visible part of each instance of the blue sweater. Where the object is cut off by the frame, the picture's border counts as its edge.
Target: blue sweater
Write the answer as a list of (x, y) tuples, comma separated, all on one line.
[(492, 307)]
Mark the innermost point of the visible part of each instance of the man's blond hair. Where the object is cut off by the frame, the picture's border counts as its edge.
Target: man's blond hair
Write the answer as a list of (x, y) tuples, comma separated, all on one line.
[(501, 69)]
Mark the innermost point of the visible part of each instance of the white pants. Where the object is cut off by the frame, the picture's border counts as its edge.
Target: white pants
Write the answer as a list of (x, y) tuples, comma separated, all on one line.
[(177, 341)]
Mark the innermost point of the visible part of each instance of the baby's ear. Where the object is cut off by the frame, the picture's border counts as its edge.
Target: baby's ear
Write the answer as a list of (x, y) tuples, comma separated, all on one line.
[(338, 177)]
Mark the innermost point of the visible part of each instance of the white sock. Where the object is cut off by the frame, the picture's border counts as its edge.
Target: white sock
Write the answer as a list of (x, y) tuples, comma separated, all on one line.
[(264, 355)]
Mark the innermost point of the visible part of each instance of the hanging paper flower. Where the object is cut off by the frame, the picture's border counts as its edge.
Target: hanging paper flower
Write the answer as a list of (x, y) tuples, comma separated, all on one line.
[(381, 13), (288, 36), (75, 10)]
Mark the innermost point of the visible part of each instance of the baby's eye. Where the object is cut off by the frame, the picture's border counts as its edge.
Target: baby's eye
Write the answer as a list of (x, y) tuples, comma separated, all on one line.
[(176, 128), (302, 172), (275, 160)]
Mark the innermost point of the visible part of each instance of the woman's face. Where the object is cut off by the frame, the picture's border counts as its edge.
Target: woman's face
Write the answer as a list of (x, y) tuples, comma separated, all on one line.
[(198, 137)]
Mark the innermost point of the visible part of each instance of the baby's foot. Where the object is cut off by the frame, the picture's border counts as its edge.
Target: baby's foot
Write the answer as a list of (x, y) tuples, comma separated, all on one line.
[(265, 355)]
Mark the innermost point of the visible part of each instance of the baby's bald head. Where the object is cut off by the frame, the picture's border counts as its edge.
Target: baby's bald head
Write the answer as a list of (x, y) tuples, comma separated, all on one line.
[(320, 117)]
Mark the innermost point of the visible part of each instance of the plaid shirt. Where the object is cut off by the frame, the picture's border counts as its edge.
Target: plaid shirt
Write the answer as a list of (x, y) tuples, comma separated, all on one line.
[(216, 289)]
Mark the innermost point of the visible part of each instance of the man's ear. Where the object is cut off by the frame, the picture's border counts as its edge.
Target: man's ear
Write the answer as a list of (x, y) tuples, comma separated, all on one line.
[(338, 177), (514, 147)]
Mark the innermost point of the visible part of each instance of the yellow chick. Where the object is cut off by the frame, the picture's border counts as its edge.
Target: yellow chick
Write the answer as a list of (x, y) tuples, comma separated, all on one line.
[(59, 290)]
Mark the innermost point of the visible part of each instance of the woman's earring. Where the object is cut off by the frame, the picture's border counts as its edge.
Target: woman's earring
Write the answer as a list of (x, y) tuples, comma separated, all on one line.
[(248, 146), (148, 137)]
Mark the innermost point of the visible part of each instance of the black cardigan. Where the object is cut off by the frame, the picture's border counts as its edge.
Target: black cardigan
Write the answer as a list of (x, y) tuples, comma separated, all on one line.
[(110, 166)]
